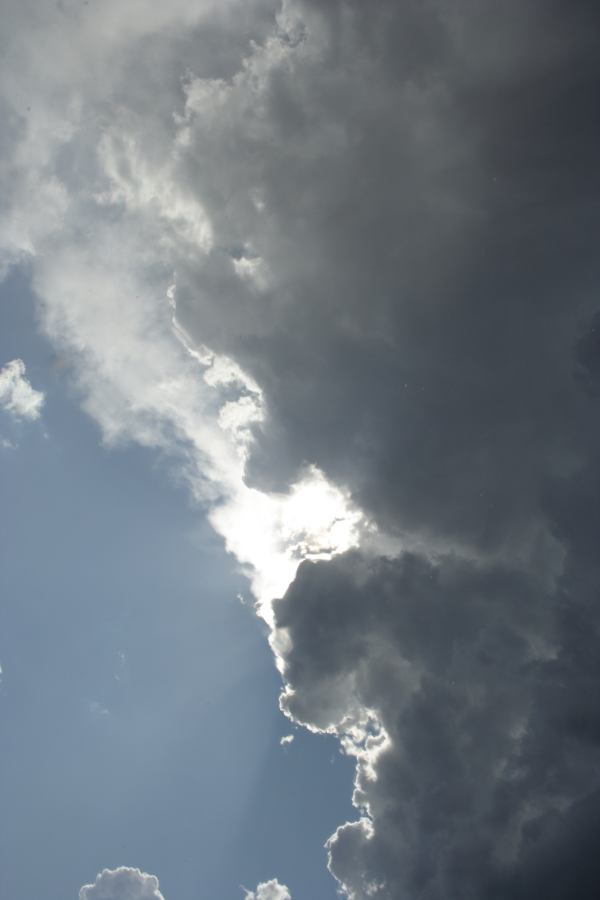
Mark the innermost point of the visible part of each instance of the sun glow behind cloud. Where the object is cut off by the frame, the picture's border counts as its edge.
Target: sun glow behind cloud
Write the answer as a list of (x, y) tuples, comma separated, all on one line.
[(272, 533), (107, 247), (269, 533), (129, 223)]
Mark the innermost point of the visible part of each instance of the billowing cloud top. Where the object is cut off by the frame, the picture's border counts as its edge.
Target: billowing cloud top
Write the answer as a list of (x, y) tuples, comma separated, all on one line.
[(122, 884), (127, 883), (339, 261), (269, 890), (16, 393)]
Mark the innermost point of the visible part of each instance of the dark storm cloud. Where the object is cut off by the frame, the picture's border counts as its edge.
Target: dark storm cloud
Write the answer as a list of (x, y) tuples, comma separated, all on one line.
[(429, 181), (484, 683), (428, 177)]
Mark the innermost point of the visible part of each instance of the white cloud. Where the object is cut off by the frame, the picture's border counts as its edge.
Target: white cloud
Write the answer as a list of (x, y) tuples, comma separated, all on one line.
[(17, 396), (105, 264), (269, 890), (123, 883)]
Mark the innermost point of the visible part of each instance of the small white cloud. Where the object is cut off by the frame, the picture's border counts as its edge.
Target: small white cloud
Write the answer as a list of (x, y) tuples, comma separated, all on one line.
[(123, 884), (16, 393), (269, 890), (286, 740)]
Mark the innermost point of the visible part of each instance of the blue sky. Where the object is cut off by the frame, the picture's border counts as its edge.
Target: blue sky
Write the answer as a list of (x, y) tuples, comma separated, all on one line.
[(139, 696)]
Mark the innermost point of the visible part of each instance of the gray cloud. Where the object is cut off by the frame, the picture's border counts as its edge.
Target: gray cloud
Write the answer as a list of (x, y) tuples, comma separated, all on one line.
[(419, 204), (429, 339), (481, 751)]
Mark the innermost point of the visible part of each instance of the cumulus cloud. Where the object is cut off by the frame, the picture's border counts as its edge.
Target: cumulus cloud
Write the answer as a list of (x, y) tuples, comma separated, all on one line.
[(131, 228), (456, 687), (339, 262), (123, 883), (17, 396), (269, 890)]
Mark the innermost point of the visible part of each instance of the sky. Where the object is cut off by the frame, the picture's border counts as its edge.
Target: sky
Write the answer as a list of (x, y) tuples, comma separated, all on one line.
[(138, 695), (299, 380)]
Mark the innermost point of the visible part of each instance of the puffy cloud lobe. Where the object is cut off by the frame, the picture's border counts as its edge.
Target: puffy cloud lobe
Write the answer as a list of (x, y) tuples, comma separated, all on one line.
[(17, 396), (269, 890), (123, 883), (477, 768), (127, 883)]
